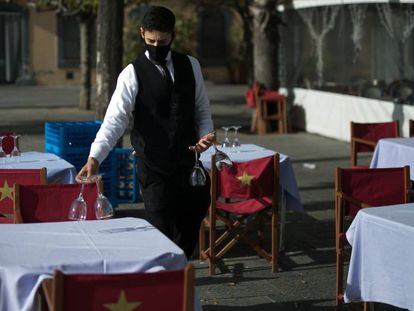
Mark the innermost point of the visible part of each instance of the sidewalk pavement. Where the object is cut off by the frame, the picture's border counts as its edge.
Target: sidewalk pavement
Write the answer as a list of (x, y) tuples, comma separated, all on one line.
[(306, 280)]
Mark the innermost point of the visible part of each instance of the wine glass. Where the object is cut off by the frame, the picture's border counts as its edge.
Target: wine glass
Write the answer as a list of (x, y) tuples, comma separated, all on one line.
[(222, 159), (2, 153), (15, 152), (226, 142), (236, 141), (197, 176), (78, 209), (103, 207)]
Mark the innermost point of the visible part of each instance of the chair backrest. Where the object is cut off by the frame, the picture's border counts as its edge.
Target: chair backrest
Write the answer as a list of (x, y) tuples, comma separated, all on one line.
[(247, 180), (373, 187), (8, 142), (373, 132), (50, 203), (411, 129), (165, 290), (10, 177)]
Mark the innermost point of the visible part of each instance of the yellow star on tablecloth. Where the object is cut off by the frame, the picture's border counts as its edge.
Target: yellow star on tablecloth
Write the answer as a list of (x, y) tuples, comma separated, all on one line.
[(122, 304), (6, 191), (245, 179)]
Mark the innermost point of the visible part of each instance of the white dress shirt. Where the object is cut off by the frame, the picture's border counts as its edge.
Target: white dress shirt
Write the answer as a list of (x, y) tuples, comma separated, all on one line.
[(122, 104)]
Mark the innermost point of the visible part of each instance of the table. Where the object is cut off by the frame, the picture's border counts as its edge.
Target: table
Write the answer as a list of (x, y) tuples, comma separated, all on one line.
[(58, 170), (394, 152), (381, 267), (30, 253), (247, 152)]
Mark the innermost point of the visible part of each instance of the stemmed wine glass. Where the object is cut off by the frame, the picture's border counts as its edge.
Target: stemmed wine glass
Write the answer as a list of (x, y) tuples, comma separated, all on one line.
[(222, 159), (2, 153), (236, 141), (103, 207), (197, 176), (78, 209), (15, 152), (226, 142)]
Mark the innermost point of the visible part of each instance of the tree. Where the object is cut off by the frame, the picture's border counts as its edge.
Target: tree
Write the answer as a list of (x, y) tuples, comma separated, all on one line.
[(85, 10), (266, 40)]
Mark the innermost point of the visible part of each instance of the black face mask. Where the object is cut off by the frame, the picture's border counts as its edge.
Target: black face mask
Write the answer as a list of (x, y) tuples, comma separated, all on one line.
[(158, 53)]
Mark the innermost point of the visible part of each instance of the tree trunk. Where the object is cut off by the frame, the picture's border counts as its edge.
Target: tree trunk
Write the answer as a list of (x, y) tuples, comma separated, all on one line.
[(86, 24), (265, 42), (109, 51)]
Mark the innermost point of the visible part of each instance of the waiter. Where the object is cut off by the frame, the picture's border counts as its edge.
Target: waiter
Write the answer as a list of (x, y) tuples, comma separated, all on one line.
[(163, 92)]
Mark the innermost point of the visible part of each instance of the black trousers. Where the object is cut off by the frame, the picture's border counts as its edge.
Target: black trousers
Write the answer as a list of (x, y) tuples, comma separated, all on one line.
[(173, 206)]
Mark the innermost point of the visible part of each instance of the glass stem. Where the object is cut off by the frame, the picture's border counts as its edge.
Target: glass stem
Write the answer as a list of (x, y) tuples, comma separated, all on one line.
[(81, 192)]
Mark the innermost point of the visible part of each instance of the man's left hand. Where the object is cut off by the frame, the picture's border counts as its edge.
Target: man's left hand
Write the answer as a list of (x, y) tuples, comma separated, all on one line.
[(203, 144)]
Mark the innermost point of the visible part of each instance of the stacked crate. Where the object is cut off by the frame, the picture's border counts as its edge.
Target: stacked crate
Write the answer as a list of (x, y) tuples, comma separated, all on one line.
[(72, 141)]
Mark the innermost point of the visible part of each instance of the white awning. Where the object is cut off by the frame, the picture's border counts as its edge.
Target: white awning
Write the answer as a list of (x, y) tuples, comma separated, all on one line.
[(302, 4)]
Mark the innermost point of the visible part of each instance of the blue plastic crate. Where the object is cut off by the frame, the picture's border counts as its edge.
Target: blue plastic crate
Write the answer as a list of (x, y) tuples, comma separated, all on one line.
[(127, 187), (70, 137)]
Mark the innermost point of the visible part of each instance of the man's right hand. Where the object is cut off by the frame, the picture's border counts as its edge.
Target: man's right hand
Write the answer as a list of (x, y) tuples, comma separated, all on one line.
[(89, 169)]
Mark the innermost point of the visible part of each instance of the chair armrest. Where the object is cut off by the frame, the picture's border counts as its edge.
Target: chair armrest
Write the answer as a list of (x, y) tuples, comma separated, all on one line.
[(352, 200), (47, 287), (364, 141)]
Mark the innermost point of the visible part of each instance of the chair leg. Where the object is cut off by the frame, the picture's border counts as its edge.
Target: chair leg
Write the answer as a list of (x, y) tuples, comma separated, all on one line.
[(339, 277), (366, 306), (253, 124), (212, 240), (274, 242), (201, 241), (353, 153)]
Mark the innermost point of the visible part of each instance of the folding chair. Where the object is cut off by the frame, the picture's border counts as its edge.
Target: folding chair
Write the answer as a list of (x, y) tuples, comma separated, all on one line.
[(364, 136), (251, 97), (50, 203), (411, 124), (8, 142), (8, 179), (165, 290), (357, 188), (242, 197)]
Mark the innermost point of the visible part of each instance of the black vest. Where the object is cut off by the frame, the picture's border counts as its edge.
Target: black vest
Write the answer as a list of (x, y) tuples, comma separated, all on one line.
[(164, 123)]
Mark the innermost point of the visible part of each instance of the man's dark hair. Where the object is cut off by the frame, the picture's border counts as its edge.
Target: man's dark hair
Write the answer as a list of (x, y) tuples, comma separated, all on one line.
[(159, 18)]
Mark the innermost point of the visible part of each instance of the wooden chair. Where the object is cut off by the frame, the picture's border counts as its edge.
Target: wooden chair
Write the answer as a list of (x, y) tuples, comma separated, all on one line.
[(357, 188), (411, 124), (50, 203), (271, 108), (364, 136), (8, 179), (8, 142), (242, 197), (165, 290)]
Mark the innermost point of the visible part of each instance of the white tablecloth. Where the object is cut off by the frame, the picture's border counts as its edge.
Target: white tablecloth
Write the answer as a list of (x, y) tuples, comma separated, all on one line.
[(249, 152), (394, 152), (382, 258), (30, 252), (58, 170)]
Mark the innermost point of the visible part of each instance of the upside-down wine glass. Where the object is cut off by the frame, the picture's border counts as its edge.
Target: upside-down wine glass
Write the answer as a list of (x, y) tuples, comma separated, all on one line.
[(103, 207), (226, 142), (236, 141), (78, 209), (197, 176), (3, 154), (16, 152)]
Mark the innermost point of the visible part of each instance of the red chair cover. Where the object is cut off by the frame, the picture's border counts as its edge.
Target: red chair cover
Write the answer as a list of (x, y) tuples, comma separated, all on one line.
[(251, 96), (8, 142), (148, 291), (9, 177), (376, 187), (251, 181), (50, 203), (374, 132)]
